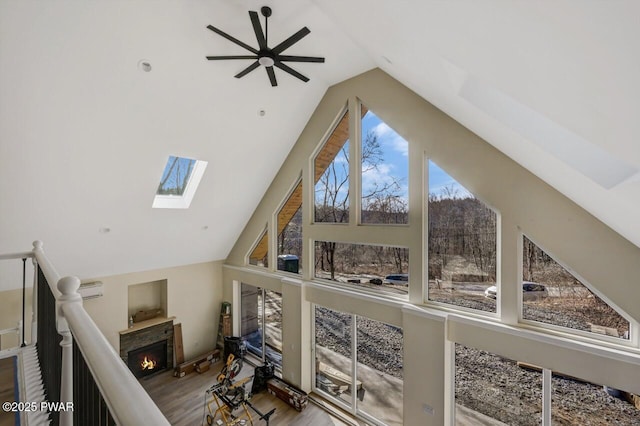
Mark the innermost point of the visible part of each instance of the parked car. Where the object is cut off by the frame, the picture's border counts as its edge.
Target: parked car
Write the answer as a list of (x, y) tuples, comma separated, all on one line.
[(491, 292), (530, 291), (398, 279), (533, 291)]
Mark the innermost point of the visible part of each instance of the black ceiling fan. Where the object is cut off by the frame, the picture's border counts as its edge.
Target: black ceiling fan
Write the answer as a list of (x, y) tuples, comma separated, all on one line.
[(268, 57)]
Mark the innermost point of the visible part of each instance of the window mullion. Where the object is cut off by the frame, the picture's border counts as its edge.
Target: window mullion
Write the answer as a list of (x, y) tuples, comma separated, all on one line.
[(354, 360), (546, 397), (355, 163), (264, 327)]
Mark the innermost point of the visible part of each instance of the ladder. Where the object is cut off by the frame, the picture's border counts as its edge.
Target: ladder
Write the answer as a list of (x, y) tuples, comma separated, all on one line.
[(224, 325)]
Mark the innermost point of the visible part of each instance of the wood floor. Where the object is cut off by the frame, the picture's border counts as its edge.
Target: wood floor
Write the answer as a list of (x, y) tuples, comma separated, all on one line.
[(7, 392), (182, 401)]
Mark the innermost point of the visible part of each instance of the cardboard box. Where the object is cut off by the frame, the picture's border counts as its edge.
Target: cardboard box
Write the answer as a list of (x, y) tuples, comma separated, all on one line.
[(191, 365), (203, 366)]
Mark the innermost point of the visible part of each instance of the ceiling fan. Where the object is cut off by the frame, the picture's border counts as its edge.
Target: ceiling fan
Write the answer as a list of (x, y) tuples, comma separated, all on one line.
[(265, 56)]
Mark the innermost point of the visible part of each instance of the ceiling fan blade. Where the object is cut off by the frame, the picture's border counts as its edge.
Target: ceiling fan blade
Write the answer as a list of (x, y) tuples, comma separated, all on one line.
[(291, 41), (219, 58), (232, 39), (247, 70), (291, 71), (257, 28), (272, 76), (288, 58)]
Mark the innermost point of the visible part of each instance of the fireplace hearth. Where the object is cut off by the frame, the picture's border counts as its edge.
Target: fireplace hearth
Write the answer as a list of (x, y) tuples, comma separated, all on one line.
[(148, 360), (147, 347)]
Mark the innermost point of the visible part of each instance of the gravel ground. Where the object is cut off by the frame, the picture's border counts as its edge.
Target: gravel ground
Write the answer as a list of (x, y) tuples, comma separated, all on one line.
[(380, 345), (486, 383), (498, 388)]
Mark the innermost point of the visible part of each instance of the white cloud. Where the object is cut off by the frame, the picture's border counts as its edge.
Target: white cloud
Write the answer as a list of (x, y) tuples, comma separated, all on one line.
[(401, 145), (382, 130), (389, 137), (379, 176)]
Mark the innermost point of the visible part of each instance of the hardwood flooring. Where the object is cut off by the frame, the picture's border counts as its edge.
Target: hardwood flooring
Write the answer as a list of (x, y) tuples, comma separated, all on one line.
[(7, 389), (182, 401)]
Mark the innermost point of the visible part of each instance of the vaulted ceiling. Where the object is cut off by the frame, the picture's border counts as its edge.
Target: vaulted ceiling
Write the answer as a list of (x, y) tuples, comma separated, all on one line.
[(85, 134)]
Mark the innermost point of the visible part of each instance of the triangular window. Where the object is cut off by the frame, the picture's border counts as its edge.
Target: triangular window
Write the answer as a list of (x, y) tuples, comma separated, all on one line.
[(260, 254), (289, 225), (552, 295), (331, 174)]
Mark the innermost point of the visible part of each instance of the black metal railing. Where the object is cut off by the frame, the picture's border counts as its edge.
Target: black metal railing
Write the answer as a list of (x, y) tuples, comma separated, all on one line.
[(49, 349), (89, 407)]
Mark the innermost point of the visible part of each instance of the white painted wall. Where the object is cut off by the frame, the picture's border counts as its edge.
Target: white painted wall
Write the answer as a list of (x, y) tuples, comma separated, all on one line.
[(11, 314), (593, 251), (194, 296)]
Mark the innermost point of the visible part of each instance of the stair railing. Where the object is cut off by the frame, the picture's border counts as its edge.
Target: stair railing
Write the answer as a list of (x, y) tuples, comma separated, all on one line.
[(103, 390)]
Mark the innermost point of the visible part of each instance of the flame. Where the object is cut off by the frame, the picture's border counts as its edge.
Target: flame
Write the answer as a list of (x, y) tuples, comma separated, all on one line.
[(148, 364)]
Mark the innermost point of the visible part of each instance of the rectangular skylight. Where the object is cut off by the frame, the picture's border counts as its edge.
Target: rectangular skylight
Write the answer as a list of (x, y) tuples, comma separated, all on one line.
[(179, 182), (584, 156)]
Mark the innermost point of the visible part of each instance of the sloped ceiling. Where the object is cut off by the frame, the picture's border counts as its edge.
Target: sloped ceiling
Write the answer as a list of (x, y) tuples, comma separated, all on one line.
[(552, 84), (84, 134)]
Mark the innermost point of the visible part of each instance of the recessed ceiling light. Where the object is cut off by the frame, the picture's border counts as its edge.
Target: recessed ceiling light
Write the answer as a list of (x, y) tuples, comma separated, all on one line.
[(262, 112), (144, 65)]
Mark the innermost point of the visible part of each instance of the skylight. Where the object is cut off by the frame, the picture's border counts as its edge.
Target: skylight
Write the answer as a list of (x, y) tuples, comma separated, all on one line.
[(178, 183), (584, 156)]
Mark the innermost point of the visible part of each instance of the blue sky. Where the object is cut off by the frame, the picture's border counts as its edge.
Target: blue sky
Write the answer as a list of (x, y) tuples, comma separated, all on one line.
[(395, 164), (182, 166)]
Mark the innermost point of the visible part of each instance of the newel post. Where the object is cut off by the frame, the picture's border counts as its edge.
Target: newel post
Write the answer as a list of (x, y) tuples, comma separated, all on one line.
[(68, 286)]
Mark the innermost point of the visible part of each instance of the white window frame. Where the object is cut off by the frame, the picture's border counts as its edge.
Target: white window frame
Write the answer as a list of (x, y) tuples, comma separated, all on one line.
[(182, 201)]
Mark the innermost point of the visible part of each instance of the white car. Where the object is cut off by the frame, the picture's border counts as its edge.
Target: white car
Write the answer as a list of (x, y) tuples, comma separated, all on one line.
[(530, 291)]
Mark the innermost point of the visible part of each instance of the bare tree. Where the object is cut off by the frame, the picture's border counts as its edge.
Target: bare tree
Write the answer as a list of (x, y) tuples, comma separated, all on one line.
[(178, 175), (332, 194)]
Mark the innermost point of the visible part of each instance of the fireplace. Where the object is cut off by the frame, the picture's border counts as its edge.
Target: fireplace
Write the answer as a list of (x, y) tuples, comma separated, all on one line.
[(148, 360), (152, 339)]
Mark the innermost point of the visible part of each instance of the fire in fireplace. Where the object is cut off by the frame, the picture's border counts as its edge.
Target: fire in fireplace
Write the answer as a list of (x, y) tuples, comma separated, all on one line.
[(148, 359)]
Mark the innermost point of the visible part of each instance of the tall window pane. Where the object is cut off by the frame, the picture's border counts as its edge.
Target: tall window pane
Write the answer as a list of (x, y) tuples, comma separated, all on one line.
[(462, 245), (331, 167), (261, 323), (273, 327), (385, 170), (251, 325), (290, 232), (489, 387), (379, 370), (333, 353)]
